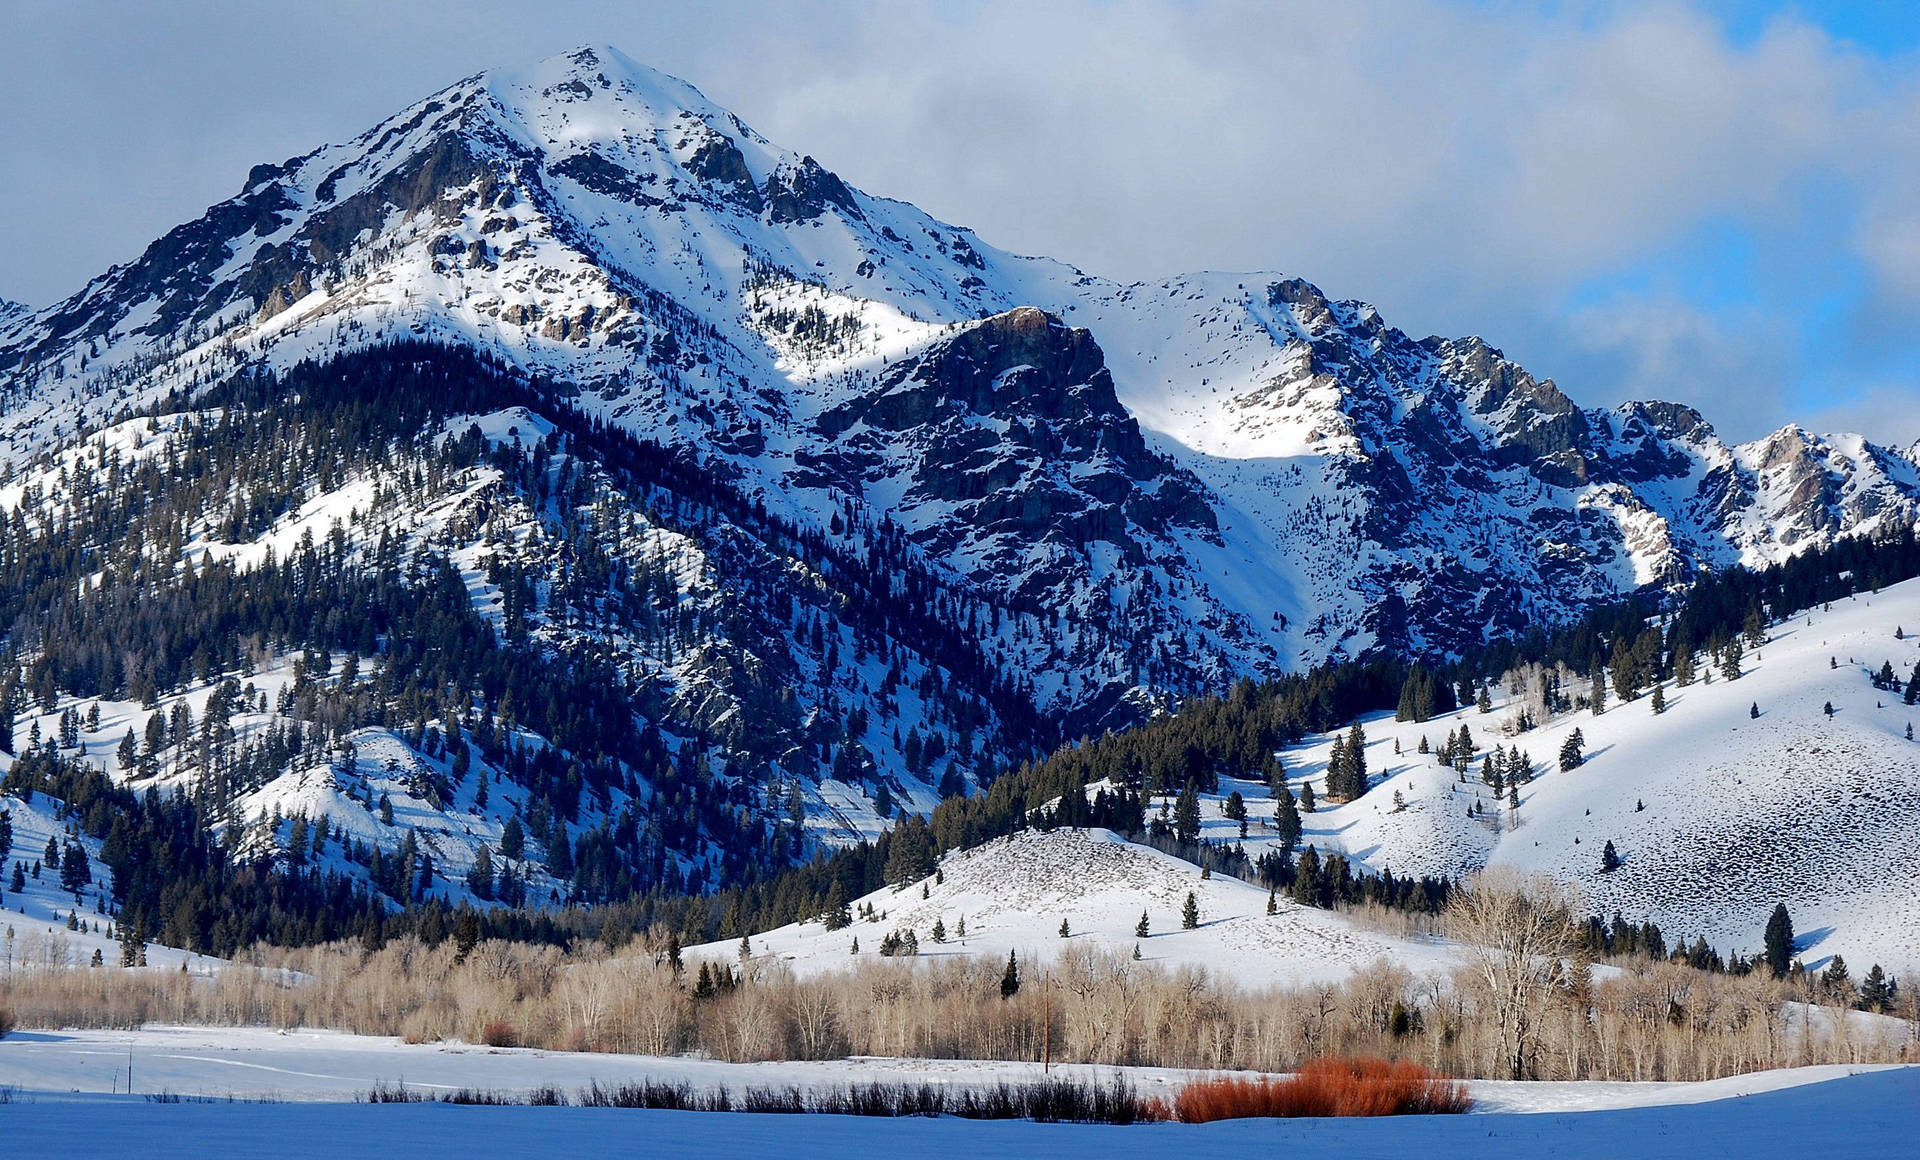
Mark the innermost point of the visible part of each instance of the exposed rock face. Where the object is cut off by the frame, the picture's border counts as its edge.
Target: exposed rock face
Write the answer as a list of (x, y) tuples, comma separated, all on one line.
[(1006, 436), (802, 192)]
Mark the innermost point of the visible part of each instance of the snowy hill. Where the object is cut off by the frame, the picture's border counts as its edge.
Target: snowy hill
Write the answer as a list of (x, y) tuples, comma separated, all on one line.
[(1014, 893), (1794, 806)]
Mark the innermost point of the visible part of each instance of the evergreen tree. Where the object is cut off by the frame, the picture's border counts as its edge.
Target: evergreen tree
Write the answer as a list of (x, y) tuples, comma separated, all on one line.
[(480, 878), (1286, 820), (513, 839), (1235, 807), (1779, 940), (76, 873), (1609, 858), (1659, 700), (1912, 695), (1186, 815), (1730, 657), (6, 834), (837, 916), (1570, 755), (939, 931), (1066, 929), (1873, 990), (1306, 797), (1140, 929), (1190, 912), (1010, 979)]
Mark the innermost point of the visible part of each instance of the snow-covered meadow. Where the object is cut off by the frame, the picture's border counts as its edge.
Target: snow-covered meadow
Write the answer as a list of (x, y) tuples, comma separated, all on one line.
[(67, 1093)]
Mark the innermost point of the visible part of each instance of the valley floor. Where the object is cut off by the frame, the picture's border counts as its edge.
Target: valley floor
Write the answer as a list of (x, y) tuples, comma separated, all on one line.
[(312, 1078), (1854, 1112)]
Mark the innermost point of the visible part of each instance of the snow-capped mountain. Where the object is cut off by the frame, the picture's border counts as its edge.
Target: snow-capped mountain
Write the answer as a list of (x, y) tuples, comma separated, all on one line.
[(604, 225), (833, 491)]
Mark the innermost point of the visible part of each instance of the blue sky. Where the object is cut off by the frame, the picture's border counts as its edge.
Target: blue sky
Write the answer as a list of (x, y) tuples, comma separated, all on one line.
[(1716, 201)]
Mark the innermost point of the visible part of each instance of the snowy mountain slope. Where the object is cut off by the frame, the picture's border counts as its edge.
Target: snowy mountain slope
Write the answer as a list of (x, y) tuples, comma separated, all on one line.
[(33, 920), (1014, 893), (1822, 813)]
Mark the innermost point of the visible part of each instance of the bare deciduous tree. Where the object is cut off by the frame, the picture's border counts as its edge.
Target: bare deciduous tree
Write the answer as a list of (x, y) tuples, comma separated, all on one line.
[(1517, 929)]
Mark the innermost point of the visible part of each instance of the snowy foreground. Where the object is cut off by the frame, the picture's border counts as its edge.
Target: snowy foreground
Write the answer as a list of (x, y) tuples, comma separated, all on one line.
[(313, 1077)]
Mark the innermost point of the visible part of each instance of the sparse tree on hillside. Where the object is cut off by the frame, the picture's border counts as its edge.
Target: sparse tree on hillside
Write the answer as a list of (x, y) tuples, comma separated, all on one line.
[(1779, 940), (1570, 755), (1190, 912)]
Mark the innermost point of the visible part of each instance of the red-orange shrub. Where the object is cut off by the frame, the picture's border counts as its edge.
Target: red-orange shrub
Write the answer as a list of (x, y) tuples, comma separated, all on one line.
[(1325, 1087), (499, 1033)]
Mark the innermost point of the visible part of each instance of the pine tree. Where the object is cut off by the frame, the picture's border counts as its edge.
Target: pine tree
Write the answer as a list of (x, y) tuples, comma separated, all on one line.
[(939, 930), (1306, 797), (1140, 928), (1912, 695), (1186, 815), (1066, 930), (1570, 756), (1484, 702), (1730, 660), (1753, 710), (1779, 940), (1609, 858), (1659, 700), (76, 873), (1273, 903), (480, 878), (1010, 980), (1873, 990), (1190, 913), (1235, 807), (1286, 820)]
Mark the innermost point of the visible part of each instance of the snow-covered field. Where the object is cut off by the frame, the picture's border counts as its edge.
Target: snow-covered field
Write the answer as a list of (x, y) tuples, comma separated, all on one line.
[(313, 1076)]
